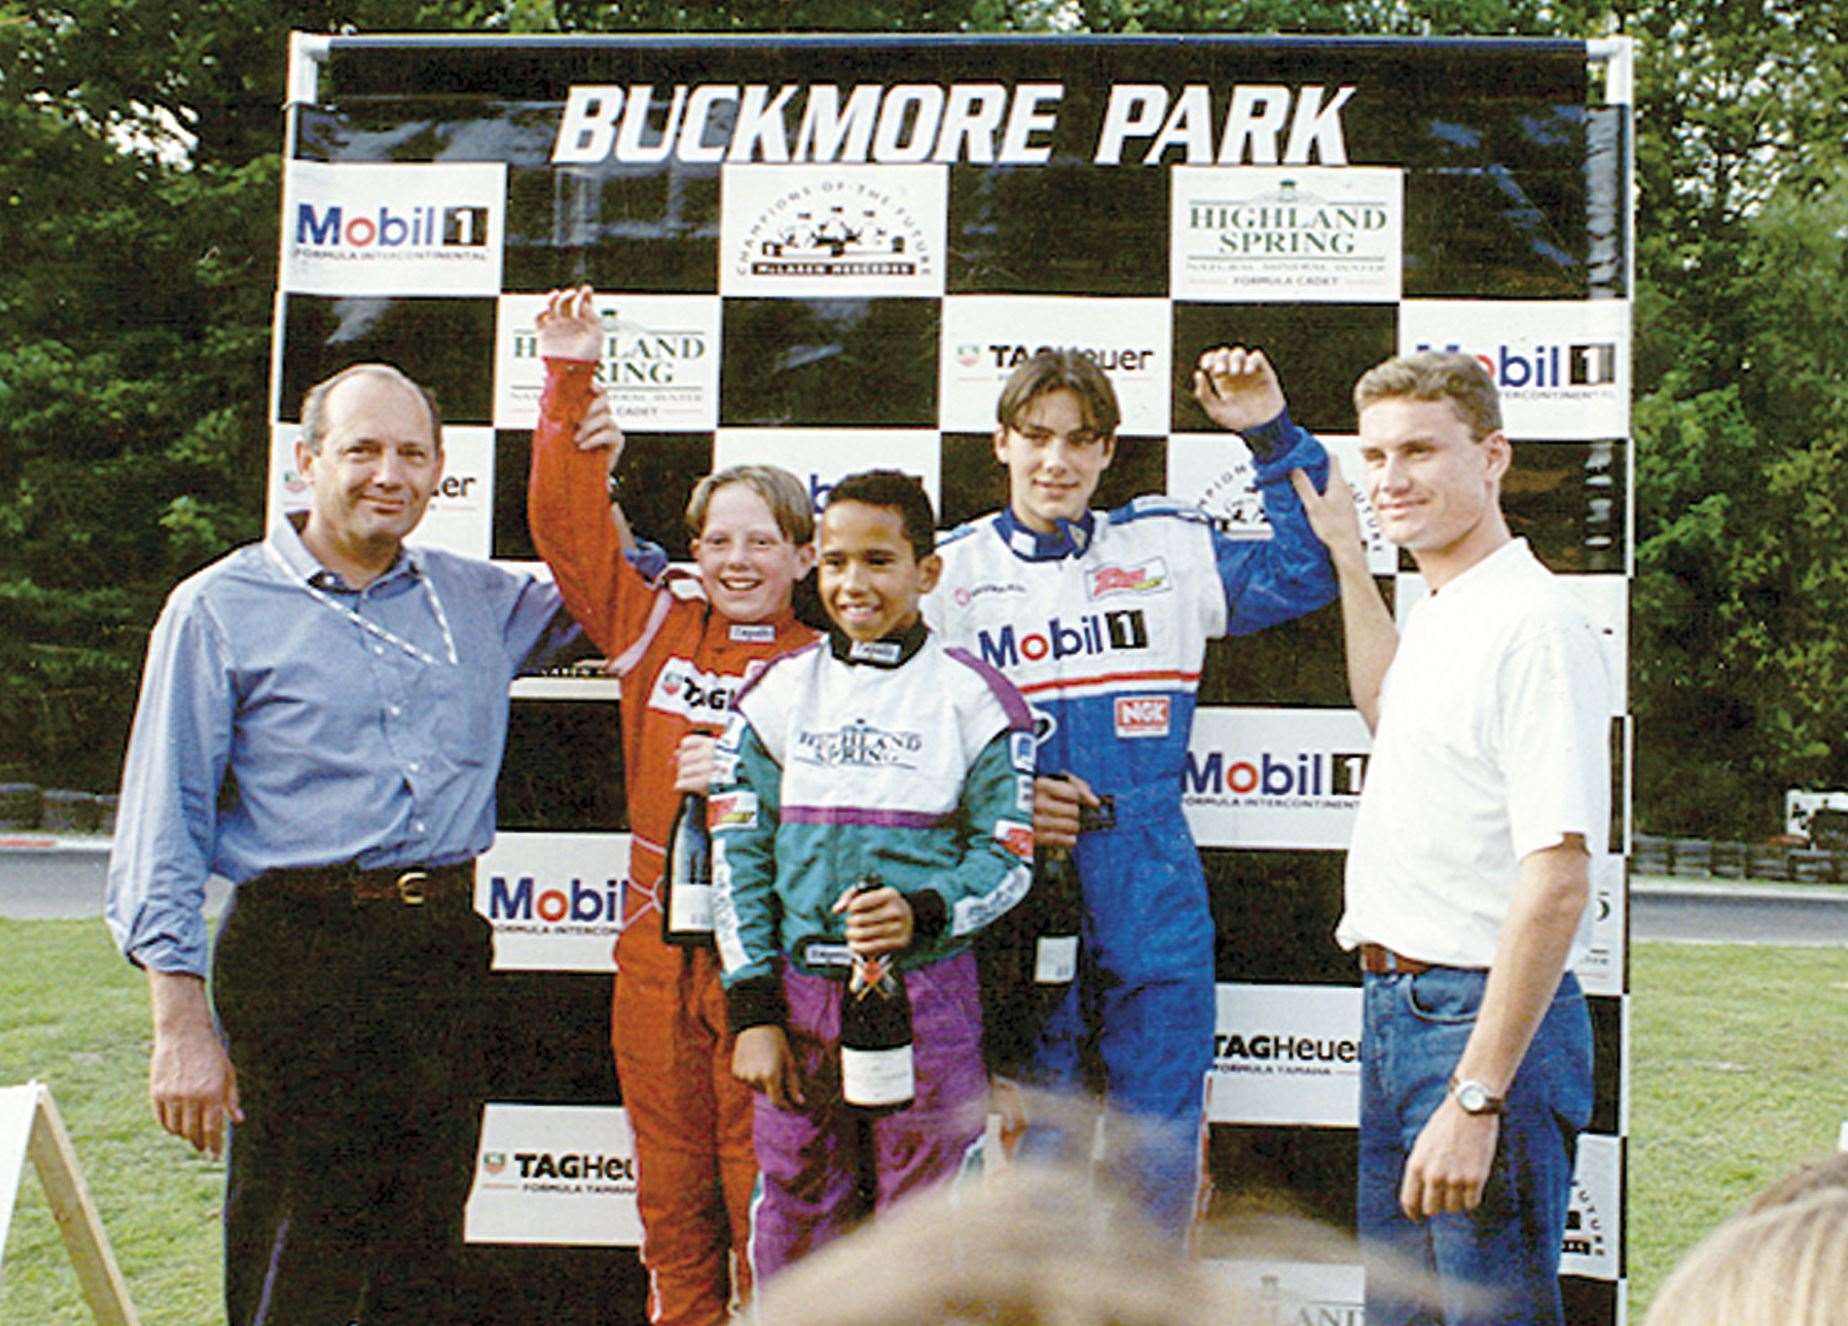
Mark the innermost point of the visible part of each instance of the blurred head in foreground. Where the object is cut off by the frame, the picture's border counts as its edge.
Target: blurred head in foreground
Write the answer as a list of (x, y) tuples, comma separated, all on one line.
[(1831, 1171), (1784, 1265), (1025, 1247)]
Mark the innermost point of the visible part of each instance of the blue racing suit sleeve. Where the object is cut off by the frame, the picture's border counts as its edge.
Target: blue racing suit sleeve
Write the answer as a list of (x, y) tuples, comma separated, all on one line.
[(1267, 581), (648, 558), (997, 851), (746, 801)]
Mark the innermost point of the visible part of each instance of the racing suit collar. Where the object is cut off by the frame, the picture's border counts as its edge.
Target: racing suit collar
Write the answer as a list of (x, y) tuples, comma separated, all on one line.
[(888, 652), (1070, 539)]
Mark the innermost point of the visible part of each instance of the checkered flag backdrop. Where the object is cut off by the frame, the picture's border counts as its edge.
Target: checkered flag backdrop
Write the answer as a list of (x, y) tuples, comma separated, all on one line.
[(829, 253)]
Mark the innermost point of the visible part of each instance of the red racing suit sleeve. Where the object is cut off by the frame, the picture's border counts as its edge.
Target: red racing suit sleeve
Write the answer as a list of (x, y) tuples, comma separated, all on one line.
[(568, 511)]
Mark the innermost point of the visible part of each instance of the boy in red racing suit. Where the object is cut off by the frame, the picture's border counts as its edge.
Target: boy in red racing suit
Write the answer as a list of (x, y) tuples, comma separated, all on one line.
[(682, 645)]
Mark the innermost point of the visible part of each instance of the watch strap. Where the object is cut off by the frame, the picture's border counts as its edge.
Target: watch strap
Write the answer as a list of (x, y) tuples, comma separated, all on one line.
[(1489, 1103)]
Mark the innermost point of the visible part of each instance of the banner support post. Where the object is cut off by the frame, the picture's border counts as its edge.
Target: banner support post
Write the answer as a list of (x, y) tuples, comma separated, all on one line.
[(32, 1111)]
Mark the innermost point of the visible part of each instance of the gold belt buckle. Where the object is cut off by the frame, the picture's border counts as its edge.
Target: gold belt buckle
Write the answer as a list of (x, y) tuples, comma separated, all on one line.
[(410, 887)]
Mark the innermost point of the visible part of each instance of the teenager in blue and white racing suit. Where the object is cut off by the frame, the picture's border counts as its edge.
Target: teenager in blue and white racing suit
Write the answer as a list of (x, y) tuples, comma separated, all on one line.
[(1102, 621)]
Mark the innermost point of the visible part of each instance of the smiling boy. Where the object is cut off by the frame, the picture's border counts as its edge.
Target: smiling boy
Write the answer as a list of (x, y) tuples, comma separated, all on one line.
[(1102, 619), (877, 753), (682, 645)]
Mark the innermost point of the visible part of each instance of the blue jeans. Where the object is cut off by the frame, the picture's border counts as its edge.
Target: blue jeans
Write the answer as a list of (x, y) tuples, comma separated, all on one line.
[(1498, 1264)]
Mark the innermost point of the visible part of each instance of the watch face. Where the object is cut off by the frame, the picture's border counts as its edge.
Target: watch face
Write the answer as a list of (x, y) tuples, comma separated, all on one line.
[(1472, 1097)]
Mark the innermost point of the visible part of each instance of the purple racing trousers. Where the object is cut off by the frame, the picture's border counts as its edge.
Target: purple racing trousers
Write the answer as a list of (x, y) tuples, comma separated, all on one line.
[(813, 1160)]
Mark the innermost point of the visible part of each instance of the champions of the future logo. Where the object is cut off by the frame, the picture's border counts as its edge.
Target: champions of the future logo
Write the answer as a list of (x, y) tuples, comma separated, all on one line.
[(807, 232), (837, 228)]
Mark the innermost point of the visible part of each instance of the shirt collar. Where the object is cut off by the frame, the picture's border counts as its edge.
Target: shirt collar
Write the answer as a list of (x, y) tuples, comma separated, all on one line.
[(1070, 539), (285, 540), (890, 652), (1506, 559)]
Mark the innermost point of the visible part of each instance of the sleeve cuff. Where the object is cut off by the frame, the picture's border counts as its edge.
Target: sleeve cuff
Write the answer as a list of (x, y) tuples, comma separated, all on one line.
[(166, 956), (930, 915), (649, 559), (1271, 438), (756, 1001), (568, 384)]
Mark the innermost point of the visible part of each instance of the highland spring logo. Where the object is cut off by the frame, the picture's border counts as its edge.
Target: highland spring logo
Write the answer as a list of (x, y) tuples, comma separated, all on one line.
[(1331, 235), (1288, 222)]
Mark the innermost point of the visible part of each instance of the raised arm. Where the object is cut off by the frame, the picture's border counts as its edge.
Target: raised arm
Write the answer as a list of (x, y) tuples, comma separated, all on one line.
[(575, 448), (1265, 581), (1366, 625)]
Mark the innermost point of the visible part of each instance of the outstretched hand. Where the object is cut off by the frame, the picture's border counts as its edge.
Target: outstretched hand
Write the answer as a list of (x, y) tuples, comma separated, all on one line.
[(1331, 512), (1237, 387), (569, 327)]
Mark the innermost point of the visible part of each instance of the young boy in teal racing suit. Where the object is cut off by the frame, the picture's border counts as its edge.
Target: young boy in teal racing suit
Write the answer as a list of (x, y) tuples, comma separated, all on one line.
[(877, 752)]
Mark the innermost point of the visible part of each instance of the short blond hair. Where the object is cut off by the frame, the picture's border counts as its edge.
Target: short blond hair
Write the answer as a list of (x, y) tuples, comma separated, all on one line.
[(1819, 1175), (1436, 375), (780, 490), (1783, 1266), (1026, 1247)]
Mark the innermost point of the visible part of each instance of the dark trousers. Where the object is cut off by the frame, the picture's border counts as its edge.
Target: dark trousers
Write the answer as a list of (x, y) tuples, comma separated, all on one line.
[(354, 1031)]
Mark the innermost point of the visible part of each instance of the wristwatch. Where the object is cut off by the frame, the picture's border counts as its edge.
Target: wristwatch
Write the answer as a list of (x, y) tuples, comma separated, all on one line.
[(1474, 1098)]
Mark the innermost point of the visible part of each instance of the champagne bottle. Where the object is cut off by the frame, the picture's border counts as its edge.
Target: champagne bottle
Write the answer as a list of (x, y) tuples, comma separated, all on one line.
[(1057, 898), (878, 1075), (686, 877)]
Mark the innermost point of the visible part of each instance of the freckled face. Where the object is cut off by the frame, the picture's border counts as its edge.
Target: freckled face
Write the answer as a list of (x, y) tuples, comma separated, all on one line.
[(747, 564)]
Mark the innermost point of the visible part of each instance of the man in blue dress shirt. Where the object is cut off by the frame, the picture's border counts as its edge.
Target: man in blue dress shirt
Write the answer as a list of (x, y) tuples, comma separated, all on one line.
[(321, 722)]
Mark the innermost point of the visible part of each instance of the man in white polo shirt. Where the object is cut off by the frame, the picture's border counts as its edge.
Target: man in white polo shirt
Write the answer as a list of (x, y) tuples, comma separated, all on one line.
[(1468, 880)]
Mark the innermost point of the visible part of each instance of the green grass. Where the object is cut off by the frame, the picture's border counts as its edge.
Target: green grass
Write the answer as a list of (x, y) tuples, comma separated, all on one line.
[(1736, 1066), (75, 1016), (1735, 1063)]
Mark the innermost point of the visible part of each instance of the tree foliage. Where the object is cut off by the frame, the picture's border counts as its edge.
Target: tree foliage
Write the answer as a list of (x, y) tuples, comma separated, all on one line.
[(138, 195)]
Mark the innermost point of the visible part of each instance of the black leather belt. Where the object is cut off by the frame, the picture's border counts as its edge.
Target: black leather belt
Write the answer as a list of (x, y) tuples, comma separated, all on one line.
[(411, 886)]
